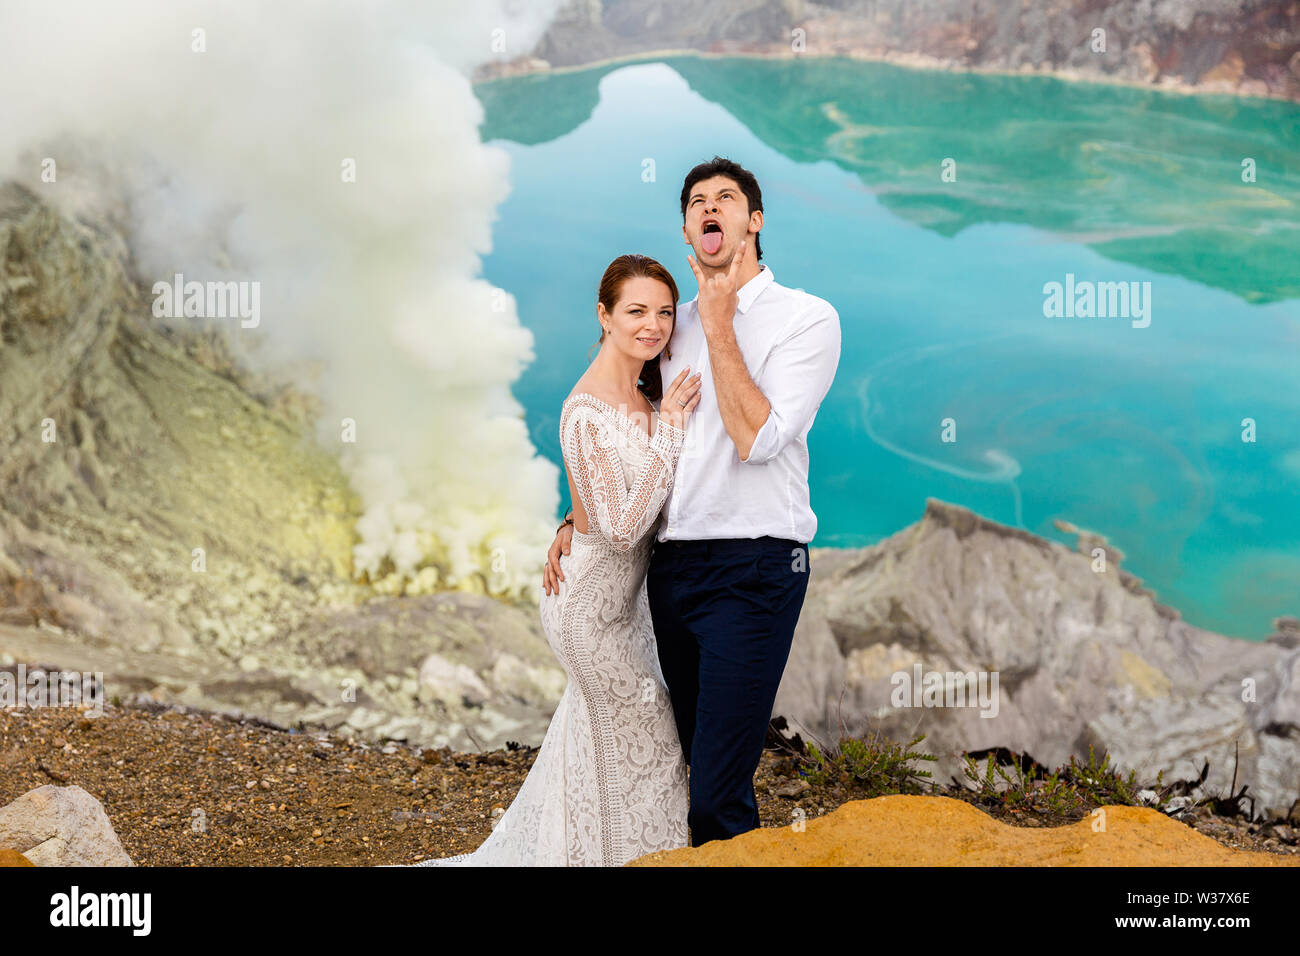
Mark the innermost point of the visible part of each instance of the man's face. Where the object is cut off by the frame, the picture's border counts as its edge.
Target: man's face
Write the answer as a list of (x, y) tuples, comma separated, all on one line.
[(717, 219)]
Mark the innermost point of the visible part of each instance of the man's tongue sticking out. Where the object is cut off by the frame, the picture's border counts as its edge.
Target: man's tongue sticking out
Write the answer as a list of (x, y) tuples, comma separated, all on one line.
[(711, 242)]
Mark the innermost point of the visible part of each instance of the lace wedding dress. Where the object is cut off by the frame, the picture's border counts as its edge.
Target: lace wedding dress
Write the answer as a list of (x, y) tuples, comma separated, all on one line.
[(609, 781)]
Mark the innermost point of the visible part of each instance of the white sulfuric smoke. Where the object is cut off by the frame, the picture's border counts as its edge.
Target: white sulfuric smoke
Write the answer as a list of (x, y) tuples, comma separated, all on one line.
[(227, 129)]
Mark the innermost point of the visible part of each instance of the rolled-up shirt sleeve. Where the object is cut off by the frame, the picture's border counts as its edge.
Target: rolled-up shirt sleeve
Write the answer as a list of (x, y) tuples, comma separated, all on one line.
[(795, 380)]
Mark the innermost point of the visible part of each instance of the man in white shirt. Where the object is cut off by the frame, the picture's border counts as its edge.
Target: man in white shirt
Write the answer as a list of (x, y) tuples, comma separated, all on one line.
[(730, 567), (766, 362)]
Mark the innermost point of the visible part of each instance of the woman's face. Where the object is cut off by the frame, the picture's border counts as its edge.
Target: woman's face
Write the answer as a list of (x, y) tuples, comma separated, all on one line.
[(642, 320)]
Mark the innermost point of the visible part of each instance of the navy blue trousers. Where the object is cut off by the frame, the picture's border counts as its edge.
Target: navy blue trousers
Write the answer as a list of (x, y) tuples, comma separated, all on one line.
[(724, 612)]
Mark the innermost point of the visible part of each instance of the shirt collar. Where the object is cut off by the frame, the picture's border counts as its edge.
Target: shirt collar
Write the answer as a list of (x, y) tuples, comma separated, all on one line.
[(751, 290)]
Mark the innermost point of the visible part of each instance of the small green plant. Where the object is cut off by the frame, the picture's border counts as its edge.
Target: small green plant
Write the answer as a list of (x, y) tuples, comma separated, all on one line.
[(1102, 783), (1049, 794), (1067, 791), (877, 766)]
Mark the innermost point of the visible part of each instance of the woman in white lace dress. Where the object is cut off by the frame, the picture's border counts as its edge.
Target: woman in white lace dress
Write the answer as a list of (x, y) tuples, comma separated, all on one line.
[(609, 781)]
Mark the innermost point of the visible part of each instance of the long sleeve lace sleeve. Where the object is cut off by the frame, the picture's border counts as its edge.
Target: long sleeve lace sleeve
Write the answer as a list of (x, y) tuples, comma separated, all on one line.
[(621, 515)]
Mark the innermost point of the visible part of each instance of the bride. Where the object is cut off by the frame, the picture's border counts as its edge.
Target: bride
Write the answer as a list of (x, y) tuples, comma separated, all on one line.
[(609, 781)]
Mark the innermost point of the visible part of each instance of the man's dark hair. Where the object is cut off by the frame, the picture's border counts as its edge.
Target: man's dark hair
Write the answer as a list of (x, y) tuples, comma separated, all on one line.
[(718, 166)]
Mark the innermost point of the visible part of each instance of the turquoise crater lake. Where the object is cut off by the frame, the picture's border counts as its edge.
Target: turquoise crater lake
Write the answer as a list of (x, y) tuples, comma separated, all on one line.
[(1132, 432)]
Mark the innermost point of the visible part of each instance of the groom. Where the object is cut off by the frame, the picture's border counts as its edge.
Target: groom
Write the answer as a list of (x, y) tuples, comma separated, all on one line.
[(729, 569)]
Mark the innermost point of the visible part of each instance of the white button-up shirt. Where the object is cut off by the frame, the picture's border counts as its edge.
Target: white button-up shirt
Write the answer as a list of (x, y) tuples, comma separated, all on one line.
[(790, 341)]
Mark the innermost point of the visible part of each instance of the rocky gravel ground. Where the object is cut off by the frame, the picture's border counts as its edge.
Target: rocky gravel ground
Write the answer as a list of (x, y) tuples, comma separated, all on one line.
[(190, 788)]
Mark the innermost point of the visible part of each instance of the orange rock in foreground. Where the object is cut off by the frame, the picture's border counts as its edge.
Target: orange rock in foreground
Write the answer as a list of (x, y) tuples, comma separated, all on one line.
[(13, 858), (939, 831)]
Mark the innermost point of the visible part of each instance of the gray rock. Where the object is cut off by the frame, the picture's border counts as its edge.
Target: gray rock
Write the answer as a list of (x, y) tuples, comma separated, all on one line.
[(791, 789), (61, 826), (1082, 658)]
